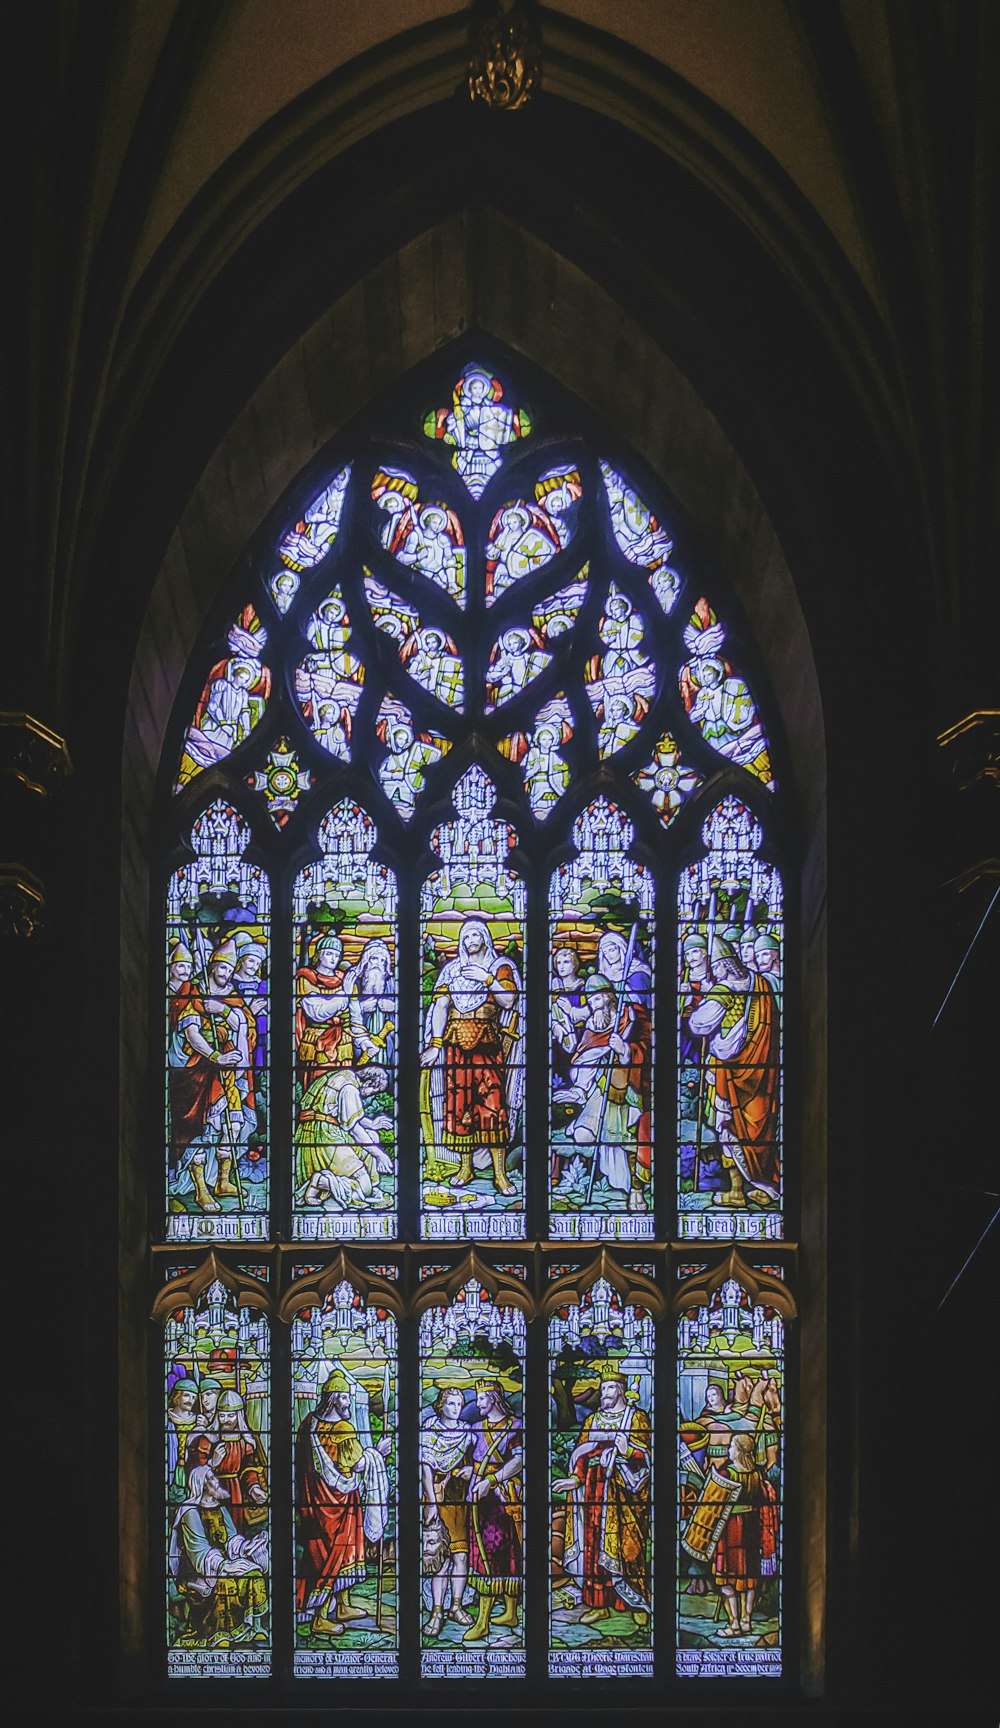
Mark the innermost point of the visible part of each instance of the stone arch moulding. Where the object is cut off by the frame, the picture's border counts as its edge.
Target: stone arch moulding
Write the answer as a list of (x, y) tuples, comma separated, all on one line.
[(479, 273)]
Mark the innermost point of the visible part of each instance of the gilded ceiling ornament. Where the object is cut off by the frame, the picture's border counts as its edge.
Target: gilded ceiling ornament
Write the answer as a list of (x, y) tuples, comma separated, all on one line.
[(506, 64)]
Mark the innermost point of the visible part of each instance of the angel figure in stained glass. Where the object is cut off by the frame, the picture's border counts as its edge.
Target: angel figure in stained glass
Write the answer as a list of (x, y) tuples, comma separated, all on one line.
[(619, 715), (517, 658), (431, 659), (306, 541), (428, 537), (233, 700), (546, 773), (478, 426), (522, 538), (640, 536), (718, 700), (328, 682), (402, 772), (437, 551), (622, 631)]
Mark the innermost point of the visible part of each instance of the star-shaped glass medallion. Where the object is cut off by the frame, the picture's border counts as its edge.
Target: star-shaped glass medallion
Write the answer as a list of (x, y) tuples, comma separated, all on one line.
[(281, 781)]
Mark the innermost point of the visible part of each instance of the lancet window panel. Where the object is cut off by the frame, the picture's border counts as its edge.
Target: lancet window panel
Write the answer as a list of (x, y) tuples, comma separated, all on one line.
[(474, 938), (732, 1398), (419, 1538), (217, 1475)]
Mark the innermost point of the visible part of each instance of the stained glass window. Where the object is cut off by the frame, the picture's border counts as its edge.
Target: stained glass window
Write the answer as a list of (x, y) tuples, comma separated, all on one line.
[(473, 950), (730, 1473), (601, 1481), (217, 1487), (344, 1423), (472, 1415)]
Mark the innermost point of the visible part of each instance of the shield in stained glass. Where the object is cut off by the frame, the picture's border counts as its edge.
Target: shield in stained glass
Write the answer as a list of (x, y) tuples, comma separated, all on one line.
[(523, 536), (409, 754), (730, 932), (601, 1482), (282, 781), (344, 1419), (217, 1434), (472, 1058), (730, 1407), (472, 1357), (346, 1016), (601, 1031), (666, 779), (218, 939)]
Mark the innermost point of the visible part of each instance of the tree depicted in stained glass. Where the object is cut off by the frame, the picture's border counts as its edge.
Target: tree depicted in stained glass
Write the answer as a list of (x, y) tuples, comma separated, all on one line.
[(601, 1475), (217, 1434), (718, 699), (232, 702), (730, 936), (601, 1030), (218, 936), (472, 1055), (477, 426), (344, 1420), (472, 1493), (346, 1020), (730, 1401)]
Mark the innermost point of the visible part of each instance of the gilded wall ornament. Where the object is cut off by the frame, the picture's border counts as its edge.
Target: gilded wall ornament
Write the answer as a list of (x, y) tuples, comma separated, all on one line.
[(506, 64)]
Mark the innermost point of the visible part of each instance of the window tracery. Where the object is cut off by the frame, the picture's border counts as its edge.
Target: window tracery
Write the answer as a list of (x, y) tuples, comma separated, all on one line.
[(476, 761)]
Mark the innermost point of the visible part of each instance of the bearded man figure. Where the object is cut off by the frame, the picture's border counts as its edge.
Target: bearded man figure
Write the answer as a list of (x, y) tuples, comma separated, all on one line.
[(219, 1572), (607, 1547), (343, 1492), (234, 1452), (738, 1018), (473, 1050)]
